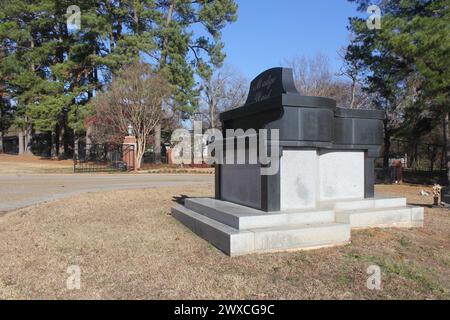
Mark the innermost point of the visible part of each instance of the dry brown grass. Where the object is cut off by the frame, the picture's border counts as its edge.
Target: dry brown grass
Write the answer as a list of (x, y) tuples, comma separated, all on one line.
[(129, 247), (178, 170), (29, 164), (32, 164)]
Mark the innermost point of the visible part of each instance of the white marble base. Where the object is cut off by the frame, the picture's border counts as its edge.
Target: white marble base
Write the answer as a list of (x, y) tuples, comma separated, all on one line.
[(239, 230), (341, 175), (308, 177), (299, 177)]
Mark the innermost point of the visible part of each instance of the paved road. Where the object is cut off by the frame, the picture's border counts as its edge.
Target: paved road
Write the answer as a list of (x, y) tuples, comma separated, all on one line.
[(18, 191)]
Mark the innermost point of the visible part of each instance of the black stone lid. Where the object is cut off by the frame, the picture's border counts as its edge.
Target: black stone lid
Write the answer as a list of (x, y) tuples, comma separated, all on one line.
[(271, 83), (275, 89), (277, 82)]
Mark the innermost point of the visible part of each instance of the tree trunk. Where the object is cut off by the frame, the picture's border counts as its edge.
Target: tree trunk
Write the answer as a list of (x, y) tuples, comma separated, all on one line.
[(88, 142), (212, 113), (163, 62), (416, 156), (446, 132), (157, 148), (2, 125), (140, 152), (28, 139), (432, 158), (387, 146), (53, 152), (75, 148), (135, 18), (21, 143), (352, 103), (25, 142), (447, 143), (58, 141), (168, 20), (66, 140)]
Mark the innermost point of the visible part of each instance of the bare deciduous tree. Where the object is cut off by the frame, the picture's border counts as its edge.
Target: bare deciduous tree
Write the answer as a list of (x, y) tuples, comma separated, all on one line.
[(225, 90), (135, 97), (353, 68), (313, 77)]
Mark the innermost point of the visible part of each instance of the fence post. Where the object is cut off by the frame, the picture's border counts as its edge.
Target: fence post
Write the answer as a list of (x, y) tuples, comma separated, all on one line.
[(129, 152)]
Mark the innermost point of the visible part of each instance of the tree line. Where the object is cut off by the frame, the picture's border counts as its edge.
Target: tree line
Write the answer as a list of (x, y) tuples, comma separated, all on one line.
[(403, 67), (52, 79), (50, 74)]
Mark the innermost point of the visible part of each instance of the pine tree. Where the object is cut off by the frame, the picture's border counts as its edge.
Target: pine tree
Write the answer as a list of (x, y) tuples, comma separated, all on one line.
[(406, 61), (182, 54), (53, 73)]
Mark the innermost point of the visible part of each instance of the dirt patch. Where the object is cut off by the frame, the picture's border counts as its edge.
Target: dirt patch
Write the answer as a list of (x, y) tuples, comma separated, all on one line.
[(129, 247)]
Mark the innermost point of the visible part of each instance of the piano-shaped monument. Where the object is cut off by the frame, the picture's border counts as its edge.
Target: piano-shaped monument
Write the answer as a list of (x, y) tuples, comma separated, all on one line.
[(322, 187)]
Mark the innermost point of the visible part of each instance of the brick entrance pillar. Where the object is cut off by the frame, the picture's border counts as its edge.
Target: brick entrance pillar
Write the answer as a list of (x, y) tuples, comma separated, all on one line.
[(129, 152)]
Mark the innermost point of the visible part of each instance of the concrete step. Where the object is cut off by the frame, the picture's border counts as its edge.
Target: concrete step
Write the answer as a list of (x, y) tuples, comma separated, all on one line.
[(372, 203), (244, 218), (403, 216), (238, 242), (301, 236), (225, 238)]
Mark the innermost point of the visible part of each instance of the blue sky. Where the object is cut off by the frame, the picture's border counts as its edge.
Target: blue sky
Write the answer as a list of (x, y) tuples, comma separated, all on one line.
[(269, 31)]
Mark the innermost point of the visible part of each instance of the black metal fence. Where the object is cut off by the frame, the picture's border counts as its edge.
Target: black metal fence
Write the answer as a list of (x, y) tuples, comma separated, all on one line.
[(416, 155), (10, 145), (420, 156), (104, 157), (423, 162)]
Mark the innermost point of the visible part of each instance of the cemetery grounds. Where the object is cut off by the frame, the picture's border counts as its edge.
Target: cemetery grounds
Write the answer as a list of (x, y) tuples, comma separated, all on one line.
[(127, 246)]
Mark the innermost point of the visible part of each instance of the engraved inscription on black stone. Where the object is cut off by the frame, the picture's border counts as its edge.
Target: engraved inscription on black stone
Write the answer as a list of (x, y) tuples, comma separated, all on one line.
[(271, 83)]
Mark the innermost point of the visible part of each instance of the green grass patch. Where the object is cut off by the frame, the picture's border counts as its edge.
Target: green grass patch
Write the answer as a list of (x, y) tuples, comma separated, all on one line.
[(404, 241), (407, 270), (393, 267)]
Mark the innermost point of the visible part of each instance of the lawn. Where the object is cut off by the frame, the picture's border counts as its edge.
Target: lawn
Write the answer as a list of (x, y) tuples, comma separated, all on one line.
[(129, 247), (30, 164), (24, 164)]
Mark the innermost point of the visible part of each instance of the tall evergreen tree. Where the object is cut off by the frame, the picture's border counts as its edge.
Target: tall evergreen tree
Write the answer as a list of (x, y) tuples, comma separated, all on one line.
[(23, 33), (53, 72), (406, 60), (182, 54)]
